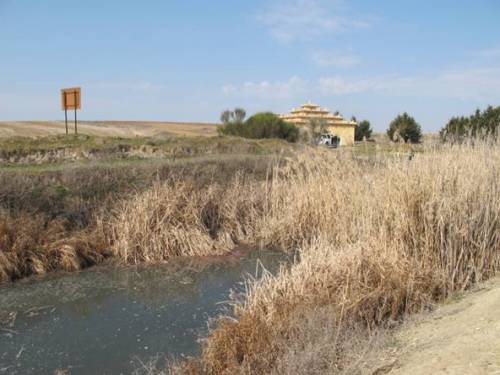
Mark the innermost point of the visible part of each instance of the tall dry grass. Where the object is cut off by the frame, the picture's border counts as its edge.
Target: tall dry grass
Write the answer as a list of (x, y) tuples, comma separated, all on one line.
[(377, 239), (31, 245), (48, 218), (180, 219), (377, 242)]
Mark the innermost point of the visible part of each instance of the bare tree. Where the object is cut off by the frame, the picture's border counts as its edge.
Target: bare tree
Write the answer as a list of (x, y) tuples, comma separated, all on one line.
[(236, 116), (239, 115)]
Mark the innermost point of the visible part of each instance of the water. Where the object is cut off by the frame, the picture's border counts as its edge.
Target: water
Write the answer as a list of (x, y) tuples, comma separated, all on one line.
[(108, 320)]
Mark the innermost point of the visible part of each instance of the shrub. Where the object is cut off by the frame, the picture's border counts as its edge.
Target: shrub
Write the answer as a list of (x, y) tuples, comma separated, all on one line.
[(363, 130), (406, 128), (262, 125)]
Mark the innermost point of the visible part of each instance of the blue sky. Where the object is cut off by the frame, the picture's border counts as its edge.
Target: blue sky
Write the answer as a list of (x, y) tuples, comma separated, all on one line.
[(189, 60)]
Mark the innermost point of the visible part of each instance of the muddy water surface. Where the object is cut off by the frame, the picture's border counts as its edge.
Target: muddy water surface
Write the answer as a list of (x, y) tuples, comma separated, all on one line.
[(109, 320)]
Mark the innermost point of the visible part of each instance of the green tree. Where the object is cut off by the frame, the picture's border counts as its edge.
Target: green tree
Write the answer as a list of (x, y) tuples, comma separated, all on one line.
[(482, 124), (404, 127), (363, 131)]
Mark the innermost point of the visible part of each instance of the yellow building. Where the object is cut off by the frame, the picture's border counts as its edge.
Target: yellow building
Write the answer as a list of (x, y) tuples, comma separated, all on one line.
[(334, 124)]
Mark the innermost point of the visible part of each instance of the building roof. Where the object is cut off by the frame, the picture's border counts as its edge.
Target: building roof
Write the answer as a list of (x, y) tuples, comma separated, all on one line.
[(302, 115)]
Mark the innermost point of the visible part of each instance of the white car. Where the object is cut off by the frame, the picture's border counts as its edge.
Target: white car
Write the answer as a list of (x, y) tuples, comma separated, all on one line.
[(329, 140)]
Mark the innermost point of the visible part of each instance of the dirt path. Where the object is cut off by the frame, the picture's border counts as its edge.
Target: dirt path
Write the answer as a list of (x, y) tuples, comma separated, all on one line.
[(106, 128), (460, 337)]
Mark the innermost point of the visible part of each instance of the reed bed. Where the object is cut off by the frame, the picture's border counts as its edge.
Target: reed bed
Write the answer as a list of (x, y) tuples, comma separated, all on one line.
[(60, 220), (176, 218), (377, 242), (31, 245)]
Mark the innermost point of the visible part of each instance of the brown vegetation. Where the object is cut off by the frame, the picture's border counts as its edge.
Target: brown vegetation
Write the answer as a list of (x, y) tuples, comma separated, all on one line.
[(180, 219), (376, 244), (378, 238), (58, 220), (31, 245)]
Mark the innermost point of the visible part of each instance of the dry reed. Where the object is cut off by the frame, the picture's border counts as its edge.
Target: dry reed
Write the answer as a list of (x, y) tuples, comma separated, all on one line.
[(179, 219), (33, 245), (48, 218), (376, 244), (378, 239)]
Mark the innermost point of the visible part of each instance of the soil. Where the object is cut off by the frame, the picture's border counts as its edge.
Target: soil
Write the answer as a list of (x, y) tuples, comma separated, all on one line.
[(461, 336)]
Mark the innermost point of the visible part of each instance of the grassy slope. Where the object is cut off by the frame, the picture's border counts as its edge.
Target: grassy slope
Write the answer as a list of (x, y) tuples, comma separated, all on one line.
[(60, 153), (26, 145), (53, 214)]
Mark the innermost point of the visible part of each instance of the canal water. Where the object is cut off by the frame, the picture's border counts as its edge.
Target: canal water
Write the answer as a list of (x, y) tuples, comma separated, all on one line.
[(111, 320)]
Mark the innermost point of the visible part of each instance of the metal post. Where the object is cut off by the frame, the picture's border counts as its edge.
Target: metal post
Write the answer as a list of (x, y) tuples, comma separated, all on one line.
[(76, 129), (66, 118)]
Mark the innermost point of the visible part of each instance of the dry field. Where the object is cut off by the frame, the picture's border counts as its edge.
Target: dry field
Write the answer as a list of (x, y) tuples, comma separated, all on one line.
[(106, 128)]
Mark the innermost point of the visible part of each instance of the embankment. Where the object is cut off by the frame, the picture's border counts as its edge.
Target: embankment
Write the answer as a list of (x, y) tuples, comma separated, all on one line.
[(460, 337), (59, 219)]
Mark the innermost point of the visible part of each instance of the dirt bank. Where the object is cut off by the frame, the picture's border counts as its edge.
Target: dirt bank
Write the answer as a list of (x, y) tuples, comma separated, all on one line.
[(459, 337)]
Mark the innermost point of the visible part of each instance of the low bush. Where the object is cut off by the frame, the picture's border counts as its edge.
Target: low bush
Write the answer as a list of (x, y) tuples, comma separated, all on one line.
[(262, 125)]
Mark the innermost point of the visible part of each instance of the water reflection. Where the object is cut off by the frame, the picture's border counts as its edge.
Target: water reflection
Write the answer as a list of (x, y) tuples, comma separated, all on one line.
[(100, 320)]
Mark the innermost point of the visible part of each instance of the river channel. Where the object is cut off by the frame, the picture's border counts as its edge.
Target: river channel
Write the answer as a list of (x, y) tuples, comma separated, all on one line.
[(110, 320)]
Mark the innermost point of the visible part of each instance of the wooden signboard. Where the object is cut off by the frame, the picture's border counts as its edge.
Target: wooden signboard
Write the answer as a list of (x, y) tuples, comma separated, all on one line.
[(71, 99)]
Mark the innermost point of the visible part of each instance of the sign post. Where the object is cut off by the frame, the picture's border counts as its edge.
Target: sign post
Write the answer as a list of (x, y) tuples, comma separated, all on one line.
[(71, 99), (66, 119)]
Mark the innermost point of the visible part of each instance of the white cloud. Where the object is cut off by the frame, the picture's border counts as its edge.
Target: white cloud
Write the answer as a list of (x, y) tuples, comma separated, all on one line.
[(465, 84), (327, 59), (338, 85), (265, 89), (305, 19)]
